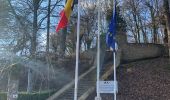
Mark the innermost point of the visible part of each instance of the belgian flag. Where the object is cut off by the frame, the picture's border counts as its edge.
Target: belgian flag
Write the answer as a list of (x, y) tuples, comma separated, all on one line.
[(65, 14)]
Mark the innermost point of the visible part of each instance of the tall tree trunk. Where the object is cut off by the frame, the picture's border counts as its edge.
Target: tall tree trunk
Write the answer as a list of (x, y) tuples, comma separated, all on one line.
[(30, 84), (145, 38), (62, 42), (167, 15), (155, 34), (35, 28), (153, 24), (33, 43), (165, 36), (47, 45), (137, 28), (48, 26)]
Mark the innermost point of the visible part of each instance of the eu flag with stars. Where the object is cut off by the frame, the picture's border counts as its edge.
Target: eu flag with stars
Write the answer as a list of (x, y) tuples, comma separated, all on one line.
[(110, 36)]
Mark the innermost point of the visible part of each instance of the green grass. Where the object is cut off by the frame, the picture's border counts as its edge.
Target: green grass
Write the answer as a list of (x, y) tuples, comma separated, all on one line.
[(29, 96), (3, 96)]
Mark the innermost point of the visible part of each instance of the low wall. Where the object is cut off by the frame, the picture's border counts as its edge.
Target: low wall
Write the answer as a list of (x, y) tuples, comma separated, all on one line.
[(134, 51)]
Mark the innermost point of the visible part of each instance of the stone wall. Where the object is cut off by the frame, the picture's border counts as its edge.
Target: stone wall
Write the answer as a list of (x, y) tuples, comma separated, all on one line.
[(137, 51)]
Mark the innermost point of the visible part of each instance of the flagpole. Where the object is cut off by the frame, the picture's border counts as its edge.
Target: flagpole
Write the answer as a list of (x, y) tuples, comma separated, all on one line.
[(115, 80), (114, 57), (77, 54), (98, 54)]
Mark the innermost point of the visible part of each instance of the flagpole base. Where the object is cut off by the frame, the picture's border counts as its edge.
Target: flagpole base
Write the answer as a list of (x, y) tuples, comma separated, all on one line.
[(98, 98), (116, 87)]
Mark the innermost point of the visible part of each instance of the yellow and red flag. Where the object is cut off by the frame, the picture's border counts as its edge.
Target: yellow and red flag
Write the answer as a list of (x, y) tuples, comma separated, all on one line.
[(65, 15)]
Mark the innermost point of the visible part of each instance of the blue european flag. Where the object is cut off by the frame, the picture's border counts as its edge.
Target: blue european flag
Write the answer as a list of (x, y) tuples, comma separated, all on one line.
[(110, 36)]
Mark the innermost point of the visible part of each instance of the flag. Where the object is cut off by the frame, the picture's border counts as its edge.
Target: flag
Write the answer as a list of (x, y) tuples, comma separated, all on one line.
[(65, 14), (110, 36)]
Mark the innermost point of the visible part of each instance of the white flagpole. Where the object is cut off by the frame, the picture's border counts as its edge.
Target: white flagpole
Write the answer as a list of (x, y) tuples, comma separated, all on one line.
[(77, 54), (115, 80), (114, 57), (98, 54)]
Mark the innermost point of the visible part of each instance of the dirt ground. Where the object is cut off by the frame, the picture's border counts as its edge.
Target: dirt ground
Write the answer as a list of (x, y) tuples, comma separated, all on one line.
[(142, 80)]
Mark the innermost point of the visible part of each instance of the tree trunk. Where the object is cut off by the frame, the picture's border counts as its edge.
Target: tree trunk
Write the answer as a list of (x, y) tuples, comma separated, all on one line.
[(33, 42), (145, 38), (155, 34), (62, 42), (35, 28), (30, 81), (13, 82), (136, 20), (137, 28), (48, 26), (167, 15), (152, 8), (47, 45), (12, 89), (154, 28)]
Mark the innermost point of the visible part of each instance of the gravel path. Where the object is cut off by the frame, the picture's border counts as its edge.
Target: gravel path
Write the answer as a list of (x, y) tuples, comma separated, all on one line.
[(143, 80)]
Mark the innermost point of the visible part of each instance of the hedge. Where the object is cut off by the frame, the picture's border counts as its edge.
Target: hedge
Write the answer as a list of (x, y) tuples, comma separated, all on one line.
[(3, 96), (29, 96)]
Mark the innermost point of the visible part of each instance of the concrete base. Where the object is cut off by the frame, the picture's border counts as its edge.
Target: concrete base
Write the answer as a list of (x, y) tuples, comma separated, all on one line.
[(98, 98)]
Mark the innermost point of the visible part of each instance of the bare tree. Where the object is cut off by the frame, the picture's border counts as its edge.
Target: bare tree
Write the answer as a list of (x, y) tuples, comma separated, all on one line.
[(133, 8), (154, 13)]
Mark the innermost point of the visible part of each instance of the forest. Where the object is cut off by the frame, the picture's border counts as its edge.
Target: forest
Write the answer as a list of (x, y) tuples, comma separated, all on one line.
[(38, 63)]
